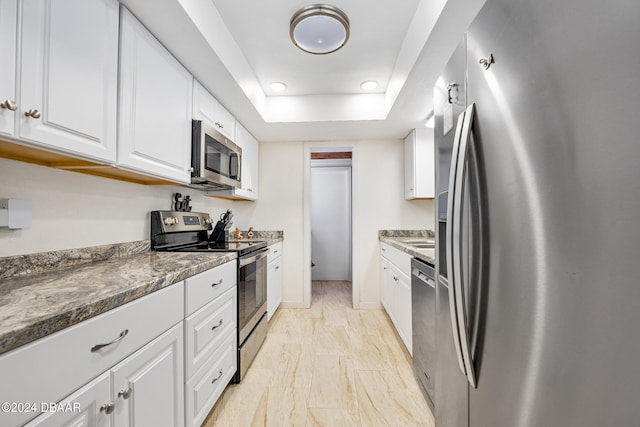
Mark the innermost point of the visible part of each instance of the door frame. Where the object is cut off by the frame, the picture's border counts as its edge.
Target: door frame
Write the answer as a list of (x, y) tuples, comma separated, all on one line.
[(306, 221)]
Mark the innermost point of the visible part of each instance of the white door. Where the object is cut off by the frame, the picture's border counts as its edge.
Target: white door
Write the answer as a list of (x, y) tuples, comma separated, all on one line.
[(331, 223), (149, 385), (69, 75)]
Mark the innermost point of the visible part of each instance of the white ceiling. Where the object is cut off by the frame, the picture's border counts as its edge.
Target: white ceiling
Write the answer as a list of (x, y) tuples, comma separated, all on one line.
[(237, 51)]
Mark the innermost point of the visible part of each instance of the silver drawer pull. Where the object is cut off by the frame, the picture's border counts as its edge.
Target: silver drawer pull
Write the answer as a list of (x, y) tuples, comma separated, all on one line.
[(277, 267), (125, 394), (99, 346), (218, 377), (217, 326), (107, 408), (219, 282)]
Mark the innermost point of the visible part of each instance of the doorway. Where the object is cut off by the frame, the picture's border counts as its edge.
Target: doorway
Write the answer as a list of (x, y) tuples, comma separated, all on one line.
[(330, 223)]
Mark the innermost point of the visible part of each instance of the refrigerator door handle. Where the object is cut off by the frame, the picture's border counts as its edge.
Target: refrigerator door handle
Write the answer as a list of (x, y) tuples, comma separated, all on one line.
[(467, 127), (450, 250)]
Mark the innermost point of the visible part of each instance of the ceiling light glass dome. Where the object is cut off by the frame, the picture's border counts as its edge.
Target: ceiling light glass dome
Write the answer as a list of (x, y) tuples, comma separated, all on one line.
[(319, 29)]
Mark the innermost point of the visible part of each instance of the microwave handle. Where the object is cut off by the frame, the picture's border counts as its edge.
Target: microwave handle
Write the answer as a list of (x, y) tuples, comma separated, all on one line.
[(234, 165)]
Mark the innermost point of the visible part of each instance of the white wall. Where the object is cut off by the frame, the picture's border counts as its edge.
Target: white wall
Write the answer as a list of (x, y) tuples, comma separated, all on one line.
[(378, 204), (73, 210)]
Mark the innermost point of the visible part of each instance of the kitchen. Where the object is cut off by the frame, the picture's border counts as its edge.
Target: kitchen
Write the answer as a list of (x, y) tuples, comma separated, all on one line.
[(73, 210)]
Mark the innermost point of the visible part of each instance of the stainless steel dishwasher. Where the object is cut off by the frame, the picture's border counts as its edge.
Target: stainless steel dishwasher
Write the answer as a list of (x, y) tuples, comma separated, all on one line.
[(423, 315)]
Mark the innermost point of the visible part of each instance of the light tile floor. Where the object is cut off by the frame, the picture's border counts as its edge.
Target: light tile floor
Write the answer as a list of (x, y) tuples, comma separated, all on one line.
[(329, 365)]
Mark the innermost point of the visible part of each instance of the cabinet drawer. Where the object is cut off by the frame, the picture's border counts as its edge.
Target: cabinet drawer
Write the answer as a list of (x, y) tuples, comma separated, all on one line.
[(207, 286), (275, 251), (400, 259), (207, 328), (206, 386), (49, 369)]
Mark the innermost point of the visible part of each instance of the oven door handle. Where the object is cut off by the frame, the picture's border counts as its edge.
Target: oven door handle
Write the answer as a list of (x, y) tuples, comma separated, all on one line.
[(253, 257)]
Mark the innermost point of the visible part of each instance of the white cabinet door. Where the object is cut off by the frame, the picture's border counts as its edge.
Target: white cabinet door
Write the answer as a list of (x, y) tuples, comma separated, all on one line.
[(155, 106), (409, 166), (87, 407), (419, 167), (386, 287), (274, 286), (208, 109), (8, 100), (69, 71), (249, 169), (148, 386)]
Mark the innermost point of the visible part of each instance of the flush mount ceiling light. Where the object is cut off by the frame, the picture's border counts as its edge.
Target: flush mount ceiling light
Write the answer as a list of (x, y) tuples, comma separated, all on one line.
[(277, 86), (368, 85), (319, 29)]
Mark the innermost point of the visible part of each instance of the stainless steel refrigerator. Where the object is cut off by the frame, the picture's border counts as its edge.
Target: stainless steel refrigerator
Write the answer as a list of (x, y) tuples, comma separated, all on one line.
[(538, 218)]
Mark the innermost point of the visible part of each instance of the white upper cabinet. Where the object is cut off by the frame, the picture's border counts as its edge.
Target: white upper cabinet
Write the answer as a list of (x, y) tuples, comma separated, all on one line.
[(8, 101), (208, 109), (419, 169), (155, 106), (67, 72), (249, 170)]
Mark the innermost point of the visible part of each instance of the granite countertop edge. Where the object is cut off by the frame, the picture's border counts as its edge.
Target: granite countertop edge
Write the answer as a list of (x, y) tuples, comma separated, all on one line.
[(427, 255), (35, 306)]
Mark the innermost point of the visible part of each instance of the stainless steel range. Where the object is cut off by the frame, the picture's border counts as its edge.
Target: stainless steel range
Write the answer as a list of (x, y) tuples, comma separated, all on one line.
[(175, 231)]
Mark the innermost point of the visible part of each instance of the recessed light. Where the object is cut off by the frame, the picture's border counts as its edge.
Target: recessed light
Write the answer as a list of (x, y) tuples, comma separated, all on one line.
[(277, 86), (368, 85)]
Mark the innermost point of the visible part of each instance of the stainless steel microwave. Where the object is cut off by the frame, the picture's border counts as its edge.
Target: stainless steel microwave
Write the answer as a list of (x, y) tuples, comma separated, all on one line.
[(215, 160)]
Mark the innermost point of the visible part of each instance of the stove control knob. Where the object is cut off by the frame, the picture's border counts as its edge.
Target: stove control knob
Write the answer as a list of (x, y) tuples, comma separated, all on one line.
[(168, 221), (175, 220), (208, 220)]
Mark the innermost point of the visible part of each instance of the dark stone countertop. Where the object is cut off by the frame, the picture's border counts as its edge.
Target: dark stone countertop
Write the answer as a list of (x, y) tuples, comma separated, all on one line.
[(35, 305)]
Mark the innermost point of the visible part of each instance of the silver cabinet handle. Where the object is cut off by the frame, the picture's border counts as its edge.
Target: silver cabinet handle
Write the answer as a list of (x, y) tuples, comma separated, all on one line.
[(395, 278), (125, 394), (217, 326), (33, 113), (107, 408), (220, 125), (277, 267), (9, 105), (219, 282), (121, 336), (218, 377)]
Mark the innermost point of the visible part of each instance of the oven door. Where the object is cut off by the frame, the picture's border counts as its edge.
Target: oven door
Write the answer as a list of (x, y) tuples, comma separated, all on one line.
[(252, 292)]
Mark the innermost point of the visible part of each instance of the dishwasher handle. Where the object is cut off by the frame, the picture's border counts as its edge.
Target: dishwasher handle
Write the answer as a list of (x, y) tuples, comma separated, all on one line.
[(423, 277)]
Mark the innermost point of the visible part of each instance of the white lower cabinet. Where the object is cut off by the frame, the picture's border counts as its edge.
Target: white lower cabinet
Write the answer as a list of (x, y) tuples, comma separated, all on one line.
[(211, 346), (147, 385), (207, 384), (395, 290), (136, 365), (84, 408), (274, 278)]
